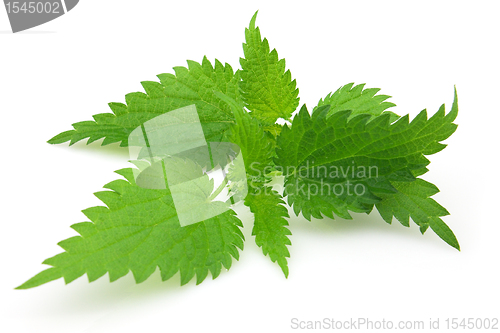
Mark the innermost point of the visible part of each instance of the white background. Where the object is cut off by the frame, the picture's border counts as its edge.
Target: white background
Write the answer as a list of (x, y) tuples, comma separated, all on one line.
[(69, 69)]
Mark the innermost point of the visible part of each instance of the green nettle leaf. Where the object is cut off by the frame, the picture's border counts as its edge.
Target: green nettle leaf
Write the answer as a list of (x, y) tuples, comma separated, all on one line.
[(269, 213), (358, 101), (139, 231), (193, 85), (413, 200), (349, 155), (333, 164), (248, 133), (270, 226), (267, 89)]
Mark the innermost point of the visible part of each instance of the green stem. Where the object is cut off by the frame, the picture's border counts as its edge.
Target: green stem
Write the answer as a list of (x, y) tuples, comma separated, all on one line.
[(147, 142), (218, 190), (231, 197), (164, 173)]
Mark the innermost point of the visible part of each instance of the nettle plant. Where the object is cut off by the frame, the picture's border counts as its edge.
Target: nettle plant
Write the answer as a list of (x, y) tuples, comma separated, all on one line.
[(349, 154)]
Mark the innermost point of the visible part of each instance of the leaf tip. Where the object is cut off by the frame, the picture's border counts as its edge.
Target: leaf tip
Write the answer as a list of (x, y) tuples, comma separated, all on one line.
[(43, 277), (456, 245), (285, 272), (252, 21), (454, 107), (444, 232), (61, 137)]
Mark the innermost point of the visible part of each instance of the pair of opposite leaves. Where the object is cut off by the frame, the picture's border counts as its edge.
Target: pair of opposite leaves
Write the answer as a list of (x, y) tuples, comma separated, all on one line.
[(139, 230)]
